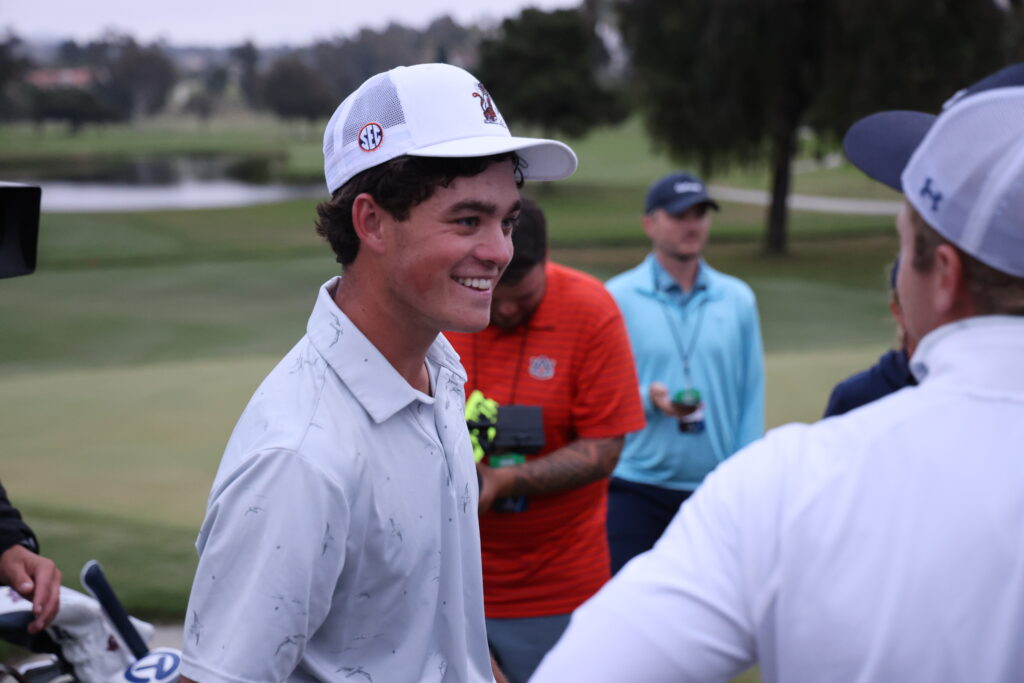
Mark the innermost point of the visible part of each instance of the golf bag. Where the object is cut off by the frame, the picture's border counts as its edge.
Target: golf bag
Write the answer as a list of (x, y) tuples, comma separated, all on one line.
[(92, 639)]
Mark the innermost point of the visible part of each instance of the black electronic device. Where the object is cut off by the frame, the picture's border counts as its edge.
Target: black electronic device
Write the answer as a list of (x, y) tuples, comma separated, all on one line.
[(19, 228), (520, 429), (516, 431)]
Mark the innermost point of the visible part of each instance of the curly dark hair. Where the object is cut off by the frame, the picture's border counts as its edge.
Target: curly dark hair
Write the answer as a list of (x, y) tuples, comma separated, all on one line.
[(397, 185)]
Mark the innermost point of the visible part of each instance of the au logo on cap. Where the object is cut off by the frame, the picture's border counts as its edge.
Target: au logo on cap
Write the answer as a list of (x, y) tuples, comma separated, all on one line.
[(371, 136), (487, 105)]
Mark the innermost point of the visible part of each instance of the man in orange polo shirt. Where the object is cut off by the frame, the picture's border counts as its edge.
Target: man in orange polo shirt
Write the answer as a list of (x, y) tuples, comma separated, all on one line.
[(556, 340)]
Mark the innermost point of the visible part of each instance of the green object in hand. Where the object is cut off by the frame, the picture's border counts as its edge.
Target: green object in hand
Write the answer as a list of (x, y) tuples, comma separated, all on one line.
[(687, 397), (482, 412)]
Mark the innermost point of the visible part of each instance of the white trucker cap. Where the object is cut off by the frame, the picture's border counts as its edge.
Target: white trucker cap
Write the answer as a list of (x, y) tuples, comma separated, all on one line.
[(966, 178), (429, 110), (962, 170)]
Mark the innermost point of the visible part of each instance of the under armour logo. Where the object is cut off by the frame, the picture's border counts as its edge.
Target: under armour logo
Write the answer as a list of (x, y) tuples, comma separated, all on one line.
[(934, 195)]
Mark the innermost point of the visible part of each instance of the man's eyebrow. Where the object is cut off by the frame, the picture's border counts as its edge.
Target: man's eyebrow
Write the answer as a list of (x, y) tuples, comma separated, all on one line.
[(480, 206)]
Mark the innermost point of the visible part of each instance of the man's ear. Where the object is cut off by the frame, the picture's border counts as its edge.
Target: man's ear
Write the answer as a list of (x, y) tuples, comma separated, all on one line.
[(367, 218), (648, 222), (952, 299)]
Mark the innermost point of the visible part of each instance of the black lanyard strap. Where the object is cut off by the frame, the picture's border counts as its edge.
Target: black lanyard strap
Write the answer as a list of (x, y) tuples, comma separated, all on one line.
[(515, 373), (684, 351)]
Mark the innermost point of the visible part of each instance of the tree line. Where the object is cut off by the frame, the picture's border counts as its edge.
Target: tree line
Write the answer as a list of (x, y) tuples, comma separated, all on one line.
[(716, 83)]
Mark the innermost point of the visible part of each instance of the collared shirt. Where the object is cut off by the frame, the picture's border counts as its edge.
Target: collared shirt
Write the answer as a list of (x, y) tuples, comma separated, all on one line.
[(880, 545), (572, 358), (666, 284), (713, 329), (341, 537)]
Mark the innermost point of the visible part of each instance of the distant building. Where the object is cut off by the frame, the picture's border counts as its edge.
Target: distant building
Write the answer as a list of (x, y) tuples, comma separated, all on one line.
[(48, 79)]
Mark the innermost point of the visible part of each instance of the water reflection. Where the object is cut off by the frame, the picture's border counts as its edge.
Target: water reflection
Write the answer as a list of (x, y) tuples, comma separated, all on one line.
[(182, 182), (64, 197)]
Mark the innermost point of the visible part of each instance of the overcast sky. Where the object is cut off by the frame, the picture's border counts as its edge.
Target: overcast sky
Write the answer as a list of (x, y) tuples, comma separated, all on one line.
[(230, 22)]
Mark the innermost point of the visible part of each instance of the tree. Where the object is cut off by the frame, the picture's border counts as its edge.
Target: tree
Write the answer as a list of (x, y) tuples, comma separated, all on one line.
[(144, 75), (345, 63), (732, 81), (77, 106), (13, 66), (206, 92), (542, 70), (70, 54), (292, 90), (247, 57)]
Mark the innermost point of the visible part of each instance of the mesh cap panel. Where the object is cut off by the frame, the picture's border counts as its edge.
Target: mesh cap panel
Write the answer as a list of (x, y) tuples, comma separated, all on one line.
[(377, 102), (966, 178)]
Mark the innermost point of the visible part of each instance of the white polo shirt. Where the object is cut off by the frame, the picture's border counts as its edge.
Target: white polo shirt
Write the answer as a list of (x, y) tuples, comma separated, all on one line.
[(341, 538), (886, 544)]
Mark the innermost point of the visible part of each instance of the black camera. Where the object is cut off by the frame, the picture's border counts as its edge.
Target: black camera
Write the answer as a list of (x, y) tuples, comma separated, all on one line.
[(517, 431), (19, 228)]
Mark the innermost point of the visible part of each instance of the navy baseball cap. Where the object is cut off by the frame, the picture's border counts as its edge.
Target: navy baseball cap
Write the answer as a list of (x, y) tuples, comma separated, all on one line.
[(881, 144), (676, 193)]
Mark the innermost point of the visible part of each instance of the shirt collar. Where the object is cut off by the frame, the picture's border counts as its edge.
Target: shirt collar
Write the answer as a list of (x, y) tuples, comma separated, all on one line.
[(374, 382), (980, 351), (662, 281)]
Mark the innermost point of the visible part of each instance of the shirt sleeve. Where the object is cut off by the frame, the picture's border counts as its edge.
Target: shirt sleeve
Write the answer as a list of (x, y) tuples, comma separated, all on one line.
[(684, 611), (607, 400), (13, 530), (271, 551), (751, 425)]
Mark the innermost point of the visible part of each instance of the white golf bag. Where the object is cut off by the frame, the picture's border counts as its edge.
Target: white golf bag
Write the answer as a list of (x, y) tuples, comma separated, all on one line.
[(91, 640)]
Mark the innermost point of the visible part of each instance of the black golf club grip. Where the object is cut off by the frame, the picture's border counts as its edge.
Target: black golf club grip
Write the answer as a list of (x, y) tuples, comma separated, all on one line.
[(96, 582)]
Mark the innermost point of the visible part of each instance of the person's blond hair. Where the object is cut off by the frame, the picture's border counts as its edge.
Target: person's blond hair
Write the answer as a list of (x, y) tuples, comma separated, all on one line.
[(992, 291)]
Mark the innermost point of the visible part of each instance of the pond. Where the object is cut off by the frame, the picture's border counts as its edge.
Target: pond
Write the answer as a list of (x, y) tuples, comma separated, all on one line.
[(181, 182)]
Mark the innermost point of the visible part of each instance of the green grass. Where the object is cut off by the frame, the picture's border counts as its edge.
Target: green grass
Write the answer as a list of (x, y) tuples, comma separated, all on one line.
[(149, 564), (79, 240), (578, 215)]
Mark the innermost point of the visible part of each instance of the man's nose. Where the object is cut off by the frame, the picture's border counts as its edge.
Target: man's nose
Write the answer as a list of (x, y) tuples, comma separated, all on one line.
[(495, 246)]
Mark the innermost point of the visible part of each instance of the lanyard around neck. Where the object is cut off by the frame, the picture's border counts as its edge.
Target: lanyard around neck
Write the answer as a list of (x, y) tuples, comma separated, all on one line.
[(515, 371), (685, 351)]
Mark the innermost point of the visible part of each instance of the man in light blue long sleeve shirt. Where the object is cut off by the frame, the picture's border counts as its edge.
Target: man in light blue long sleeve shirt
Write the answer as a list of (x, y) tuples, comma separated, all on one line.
[(697, 344)]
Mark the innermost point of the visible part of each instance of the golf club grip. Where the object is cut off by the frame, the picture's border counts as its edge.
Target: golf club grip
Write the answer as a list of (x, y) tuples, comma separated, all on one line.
[(96, 582)]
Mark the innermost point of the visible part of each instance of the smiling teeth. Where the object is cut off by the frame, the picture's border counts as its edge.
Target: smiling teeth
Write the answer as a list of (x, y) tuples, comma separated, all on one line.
[(475, 282)]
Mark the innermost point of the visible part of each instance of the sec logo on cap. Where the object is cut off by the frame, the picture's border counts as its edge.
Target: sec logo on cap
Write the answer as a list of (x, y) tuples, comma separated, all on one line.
[(371, 136)]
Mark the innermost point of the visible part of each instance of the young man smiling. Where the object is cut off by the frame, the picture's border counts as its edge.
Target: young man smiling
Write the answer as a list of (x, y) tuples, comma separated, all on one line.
[(341, 538)]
